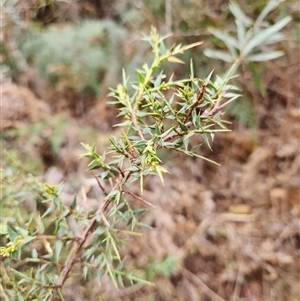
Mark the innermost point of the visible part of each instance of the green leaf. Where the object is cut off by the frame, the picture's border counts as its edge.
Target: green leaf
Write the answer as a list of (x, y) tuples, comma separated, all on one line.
[(3, 229), (74, 203), (133, 168), (218, 54), (182, 126), (140, 144), (41, 227), (99, 231), (275, 38), (57, 250), (145, 225), (12, 234), (141, 77), (115, 195), (271, 5), (239, 14), (208, 77), (121, 264), (85, 271), (186, 139), (160, 170), (16, 254), (231, 43), (105, 175), (124, 79), (262, 36), (206, 141), (206, 159), (123, 124), (191, 68), (174, 59), (133, 223), (157, 81), (169, 104), (27, 240), (49, 210), (139, 211), (120, 280), (184, 48), (34, 254), (241, 34), (267, 56)]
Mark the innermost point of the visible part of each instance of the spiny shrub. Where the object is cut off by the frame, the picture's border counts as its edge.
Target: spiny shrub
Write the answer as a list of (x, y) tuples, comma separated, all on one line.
[(42, 251)]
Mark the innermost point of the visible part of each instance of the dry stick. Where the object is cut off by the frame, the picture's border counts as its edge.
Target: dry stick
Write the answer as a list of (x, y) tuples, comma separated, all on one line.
[(202, 286)]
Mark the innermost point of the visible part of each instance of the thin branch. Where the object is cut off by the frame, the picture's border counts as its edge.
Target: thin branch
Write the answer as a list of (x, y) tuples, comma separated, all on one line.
[(99, 184), (76, 249), (201, 285), (139, 198), (133, 118), (178, 132), (105, 193), (121, 171), (56, 237), (26, 261), (197, 102), (218, 108), (104, 219)]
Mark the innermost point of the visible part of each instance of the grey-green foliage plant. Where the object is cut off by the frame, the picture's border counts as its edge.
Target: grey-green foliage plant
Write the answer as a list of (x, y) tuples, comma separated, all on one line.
[(13, 13), (160, 112), (249, 44), (252, 40), (75, 56)]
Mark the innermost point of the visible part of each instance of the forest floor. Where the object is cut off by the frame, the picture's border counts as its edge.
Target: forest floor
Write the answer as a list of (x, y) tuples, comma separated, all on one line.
[(232, 232)]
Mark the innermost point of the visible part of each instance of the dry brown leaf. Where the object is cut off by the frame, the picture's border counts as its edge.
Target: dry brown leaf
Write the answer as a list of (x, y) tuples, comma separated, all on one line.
[(240, 209)]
